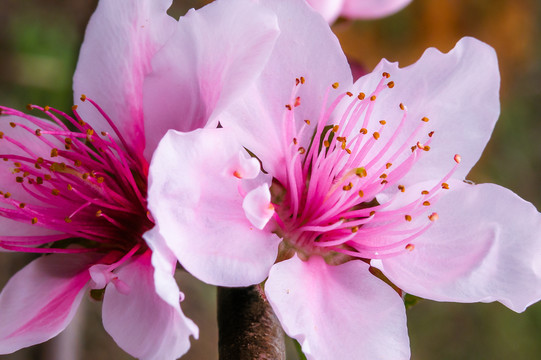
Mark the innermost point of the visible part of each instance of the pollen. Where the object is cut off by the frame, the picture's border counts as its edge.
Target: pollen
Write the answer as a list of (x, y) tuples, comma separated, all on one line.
[(360, 172)]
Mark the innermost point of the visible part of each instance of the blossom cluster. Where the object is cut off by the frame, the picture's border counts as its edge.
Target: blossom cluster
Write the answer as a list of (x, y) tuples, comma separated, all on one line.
[(235, 143)]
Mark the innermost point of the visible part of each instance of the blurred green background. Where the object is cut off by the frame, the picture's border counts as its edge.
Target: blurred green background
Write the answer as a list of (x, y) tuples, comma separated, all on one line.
[(39, 43)]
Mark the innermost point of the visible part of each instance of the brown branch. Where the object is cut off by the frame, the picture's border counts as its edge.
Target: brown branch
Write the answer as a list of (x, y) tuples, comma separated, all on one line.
[(248, 328)]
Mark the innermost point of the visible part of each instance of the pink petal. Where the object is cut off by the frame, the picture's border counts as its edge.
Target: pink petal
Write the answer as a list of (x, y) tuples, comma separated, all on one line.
[(306, 47), (371, 9), (457, 91), (257, 206), (329, 9), (338, 312), (484, 247), (215, 53), (194, 198), (141, 323), (40, 300), (164, 263), (121, 38)]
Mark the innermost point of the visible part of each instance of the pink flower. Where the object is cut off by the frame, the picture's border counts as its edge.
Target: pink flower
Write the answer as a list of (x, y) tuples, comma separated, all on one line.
[(357, 9), (75, 188), (356, 178)]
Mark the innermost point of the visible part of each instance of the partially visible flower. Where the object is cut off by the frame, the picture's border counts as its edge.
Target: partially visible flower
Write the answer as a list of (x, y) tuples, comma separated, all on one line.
[(357, 9), (320, 186), (74, 188)]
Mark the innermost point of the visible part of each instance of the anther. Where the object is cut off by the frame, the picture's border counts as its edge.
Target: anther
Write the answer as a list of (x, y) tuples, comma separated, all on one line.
[(347, 187), (12, 124), (54, 152), (237, 174), (383, 122), (302, 150), (77, 163), (67, 220), (360, 172), (98, 213), (1, 135), (288, 107), (19, 179), (335, 128), (388, 165), (402, 107), (83, 97), (55, 192), (410, 247), (407, 217), (372, 213), (335, 85), (39, 180), (295, 141), (349, 93), (302, 80), (361, 96), (425, 119), (297, 101), (29, 107), (386, 75), (425, 192), (431, 133), (457, 158), (7, 195), (46, 108), (307, 122), (34, 221), (361, 193), (390, 84), (426, 203), (373, 98), (74, 108), (376, 135), (70, 188), (100, 180), (433, 217), (354, 229), (445, 186), (326, 143), (38, 132), (22, 205), (363, 131), (383, 176)]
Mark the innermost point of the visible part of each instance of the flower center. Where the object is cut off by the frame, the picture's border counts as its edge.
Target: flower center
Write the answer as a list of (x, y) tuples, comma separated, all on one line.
[(342, 194), (88, 190)]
